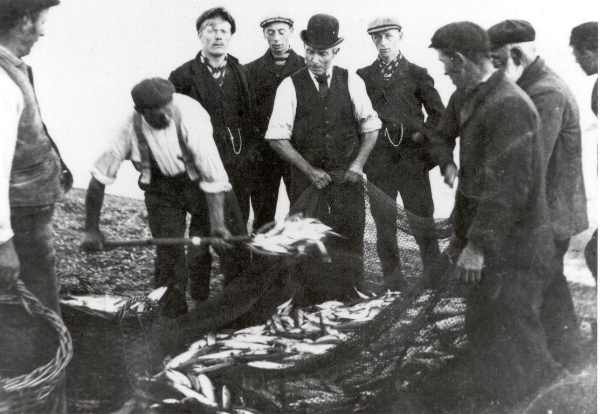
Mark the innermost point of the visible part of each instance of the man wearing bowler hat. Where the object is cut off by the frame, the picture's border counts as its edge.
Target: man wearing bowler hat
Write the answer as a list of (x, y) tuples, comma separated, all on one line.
[(514, 52), (324, 125), (399, 163), (503, 245), (264, 76)]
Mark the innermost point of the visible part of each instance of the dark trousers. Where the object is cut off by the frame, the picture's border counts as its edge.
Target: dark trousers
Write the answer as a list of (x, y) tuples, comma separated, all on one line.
[(168, 200), (342, 207), (264, 197), (591, 254), (410, 178), (509, 353), (558, 311), (27, 342), (244, 184)]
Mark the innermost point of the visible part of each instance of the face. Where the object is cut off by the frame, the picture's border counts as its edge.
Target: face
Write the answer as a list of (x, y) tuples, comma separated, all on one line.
[(159, 118), (387, 43), (505, 60), (319, 61), (215, 35), (587, 59), (454, 68), (31, 30), (278, 37), (500, 58)]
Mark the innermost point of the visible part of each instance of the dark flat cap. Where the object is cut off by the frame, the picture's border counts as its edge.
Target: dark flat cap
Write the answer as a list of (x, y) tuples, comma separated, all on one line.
[(276, 19), (585, 36), (463, 37), (216, 12), (152, 93), (11, 11), (381, 24), (510, 31)]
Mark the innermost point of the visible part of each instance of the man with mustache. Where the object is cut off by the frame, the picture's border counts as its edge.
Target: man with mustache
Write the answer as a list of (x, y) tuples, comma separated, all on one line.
[(168, 138), (399, 163), (323, 124), (503, 244), (264, 76), (514, 52)]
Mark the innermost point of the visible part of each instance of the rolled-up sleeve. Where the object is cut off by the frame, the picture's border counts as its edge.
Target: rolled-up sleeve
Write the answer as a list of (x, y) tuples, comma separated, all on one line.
[(107, 165), (199, 134), (11, 106), (365, 115), (281, 123)]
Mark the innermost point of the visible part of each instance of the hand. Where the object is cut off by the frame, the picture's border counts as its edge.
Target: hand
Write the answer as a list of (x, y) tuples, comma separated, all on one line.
[(353, 176), (470, 264), (453, 250), (222, 234), (450, 173), (93, 241), (319, 178), (418, 137), (9, 265)]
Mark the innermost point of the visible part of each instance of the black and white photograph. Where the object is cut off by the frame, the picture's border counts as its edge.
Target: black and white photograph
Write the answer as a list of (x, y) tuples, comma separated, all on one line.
[(279, 207)]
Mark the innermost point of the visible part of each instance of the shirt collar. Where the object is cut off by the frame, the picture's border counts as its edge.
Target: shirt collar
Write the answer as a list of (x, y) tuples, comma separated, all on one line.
[(10, 56), (205, 61), (329, 74)]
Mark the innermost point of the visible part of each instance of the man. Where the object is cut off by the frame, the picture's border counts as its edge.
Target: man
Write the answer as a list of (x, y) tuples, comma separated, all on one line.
[(502, 239), (323, 124), (264, 75), (399, 91), (513, 51), (218, 81), (168, 137), (584, 41), (30, 185)]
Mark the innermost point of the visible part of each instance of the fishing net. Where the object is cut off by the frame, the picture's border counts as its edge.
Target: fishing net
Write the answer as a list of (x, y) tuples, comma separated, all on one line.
[(418, 331)]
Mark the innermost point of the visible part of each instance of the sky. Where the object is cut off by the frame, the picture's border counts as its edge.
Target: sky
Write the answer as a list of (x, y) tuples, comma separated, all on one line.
[(94, 51)]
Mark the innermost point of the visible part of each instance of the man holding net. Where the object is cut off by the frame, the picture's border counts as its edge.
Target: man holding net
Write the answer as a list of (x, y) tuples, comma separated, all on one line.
[(399, 163), (503, 244), (324, 125)]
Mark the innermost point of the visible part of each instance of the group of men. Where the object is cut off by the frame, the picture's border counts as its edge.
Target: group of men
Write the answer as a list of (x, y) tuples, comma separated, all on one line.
[(217, 137)]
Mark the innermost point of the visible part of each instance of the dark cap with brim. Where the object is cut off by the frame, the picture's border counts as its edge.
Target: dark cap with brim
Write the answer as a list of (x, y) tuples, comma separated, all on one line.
[(463, 37), (152, 93), (276, 19), (10, 10), (585, 36), (510, 31)]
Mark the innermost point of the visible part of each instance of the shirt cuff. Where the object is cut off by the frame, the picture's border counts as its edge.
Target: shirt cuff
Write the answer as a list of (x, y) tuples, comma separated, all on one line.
[(6, 234), (103, 178), (215, 187), (370, 124)]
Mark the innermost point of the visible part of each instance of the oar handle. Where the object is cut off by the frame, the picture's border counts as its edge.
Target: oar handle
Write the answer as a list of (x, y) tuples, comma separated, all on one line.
[(172, 241)]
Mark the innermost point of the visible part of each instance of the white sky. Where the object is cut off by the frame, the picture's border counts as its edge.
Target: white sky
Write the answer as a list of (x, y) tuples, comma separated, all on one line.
[(96, 50)]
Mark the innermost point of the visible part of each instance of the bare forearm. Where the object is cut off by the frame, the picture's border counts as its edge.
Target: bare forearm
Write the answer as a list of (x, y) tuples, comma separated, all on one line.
[(368, 142), (287, 152), (93, 204)]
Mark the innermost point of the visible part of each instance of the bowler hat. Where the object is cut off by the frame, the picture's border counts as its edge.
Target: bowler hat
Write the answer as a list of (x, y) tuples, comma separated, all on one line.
[(510, 31), (152, 93), (381, 24), (321, 32)]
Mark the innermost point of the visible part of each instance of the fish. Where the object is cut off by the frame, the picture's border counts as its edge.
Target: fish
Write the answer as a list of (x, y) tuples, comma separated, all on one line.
[(269, 365), (207, 387), (190, 393), (226, 398)]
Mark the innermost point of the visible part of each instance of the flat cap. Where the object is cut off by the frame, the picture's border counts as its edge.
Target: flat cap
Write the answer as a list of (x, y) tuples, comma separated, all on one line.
[(216, 12), (276, 19), (381, 24), (12, 10), (585, 36), (464, 37), (510, 31), (152, 93)]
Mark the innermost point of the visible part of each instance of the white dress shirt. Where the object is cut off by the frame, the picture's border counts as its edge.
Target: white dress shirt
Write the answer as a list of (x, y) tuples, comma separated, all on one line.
[(282, 119), (11, 108), (164, 144)]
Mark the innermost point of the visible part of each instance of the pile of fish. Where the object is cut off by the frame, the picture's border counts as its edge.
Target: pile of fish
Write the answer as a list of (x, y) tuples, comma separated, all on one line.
[(111, 306), (293, 236), (289, 336)]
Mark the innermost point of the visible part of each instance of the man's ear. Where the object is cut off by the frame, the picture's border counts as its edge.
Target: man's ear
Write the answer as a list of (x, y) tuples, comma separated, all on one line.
[(458, 57), (401, 35), (25, 24), (516, 55)]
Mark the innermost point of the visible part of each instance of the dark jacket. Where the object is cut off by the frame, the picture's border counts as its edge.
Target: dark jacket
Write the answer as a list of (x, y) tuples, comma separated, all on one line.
[(193, 79), (560, 135), (500, 201), (264, 77), (399, 102)]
